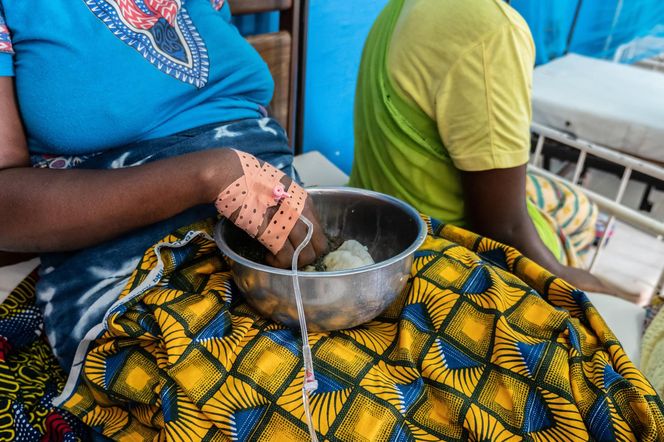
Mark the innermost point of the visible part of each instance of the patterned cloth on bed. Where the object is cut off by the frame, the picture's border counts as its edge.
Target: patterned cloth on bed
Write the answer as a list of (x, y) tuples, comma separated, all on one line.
[(571, 216), (468, 352), (30, 377)]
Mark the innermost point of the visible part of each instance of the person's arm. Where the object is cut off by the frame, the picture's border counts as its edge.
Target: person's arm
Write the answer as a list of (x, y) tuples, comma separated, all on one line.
[(44, 210), (483, 112), (495, 204)]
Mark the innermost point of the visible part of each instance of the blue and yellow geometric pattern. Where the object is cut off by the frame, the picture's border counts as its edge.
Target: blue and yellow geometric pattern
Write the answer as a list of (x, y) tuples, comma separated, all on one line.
[(483, 345)]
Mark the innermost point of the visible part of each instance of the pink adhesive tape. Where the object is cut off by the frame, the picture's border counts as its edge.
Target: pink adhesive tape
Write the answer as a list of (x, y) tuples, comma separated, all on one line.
[(254, 193), (288, 213)]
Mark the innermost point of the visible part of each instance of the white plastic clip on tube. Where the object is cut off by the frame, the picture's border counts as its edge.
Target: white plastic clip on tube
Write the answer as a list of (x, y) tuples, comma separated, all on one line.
[(310, 383)]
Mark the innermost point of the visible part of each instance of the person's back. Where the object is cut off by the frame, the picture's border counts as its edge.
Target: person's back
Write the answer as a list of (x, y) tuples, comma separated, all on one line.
[(442, 121), (425, 107)]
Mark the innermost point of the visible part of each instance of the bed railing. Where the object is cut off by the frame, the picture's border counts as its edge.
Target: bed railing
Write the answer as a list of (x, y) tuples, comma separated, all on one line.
[(612, 207)]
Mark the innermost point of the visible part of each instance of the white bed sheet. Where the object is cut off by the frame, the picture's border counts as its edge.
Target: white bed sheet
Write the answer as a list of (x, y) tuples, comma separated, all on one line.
[(611, 104), (625, 321)]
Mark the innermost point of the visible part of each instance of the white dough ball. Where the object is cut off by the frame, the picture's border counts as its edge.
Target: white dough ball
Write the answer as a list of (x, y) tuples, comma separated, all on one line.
[(350, 255)]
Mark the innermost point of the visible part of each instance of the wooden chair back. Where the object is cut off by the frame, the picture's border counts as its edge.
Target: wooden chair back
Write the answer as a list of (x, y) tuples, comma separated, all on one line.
[(283, 51)]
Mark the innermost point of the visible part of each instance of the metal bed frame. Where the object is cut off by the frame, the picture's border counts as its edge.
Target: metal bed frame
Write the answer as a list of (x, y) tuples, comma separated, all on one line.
[(612, 207)]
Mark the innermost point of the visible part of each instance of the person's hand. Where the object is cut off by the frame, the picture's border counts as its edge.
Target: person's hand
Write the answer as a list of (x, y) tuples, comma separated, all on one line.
[(283, 257), (632, 294), (316, 247), (587, 282), (583, 280)]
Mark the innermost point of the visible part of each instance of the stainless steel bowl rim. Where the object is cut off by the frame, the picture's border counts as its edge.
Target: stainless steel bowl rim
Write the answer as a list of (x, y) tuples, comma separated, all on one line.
[(419, 240)]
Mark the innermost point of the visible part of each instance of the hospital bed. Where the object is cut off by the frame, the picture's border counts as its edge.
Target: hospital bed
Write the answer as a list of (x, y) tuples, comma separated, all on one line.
[(610, 105), (642, 243), (635, 49), (604, 115), (597, 114), (613, 105)]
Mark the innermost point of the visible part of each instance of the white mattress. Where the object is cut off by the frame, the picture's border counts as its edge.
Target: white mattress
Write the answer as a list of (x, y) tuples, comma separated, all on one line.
[(611, 104), (625, 321)]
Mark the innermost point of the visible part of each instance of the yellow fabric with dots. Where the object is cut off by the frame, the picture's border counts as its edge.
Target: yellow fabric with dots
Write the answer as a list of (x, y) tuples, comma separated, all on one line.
[(482, 345)]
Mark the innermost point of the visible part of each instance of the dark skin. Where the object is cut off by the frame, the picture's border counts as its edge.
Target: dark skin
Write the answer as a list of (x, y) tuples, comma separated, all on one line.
[(496, 207), (44, 210)]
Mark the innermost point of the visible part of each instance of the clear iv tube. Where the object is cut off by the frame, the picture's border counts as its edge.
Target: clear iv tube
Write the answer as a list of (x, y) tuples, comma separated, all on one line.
[(310, 384)]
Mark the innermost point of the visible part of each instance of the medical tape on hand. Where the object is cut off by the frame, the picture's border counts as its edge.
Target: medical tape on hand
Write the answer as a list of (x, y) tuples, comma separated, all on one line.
[(258, 189), (284, 219)]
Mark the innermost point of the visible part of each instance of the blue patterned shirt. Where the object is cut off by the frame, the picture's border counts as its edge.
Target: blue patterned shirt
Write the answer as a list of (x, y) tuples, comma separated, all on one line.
[(92, 75)]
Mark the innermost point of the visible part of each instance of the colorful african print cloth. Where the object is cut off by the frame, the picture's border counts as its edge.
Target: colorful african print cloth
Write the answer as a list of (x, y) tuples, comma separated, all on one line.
[(652, 344), (30, 377), (76, 288), (5, 39), (482, 345), (568, 212)]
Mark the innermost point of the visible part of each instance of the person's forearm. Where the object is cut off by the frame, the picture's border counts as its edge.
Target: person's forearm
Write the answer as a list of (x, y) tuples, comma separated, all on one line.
[(496, 208), (524, 237), (45, 210), (528, 242)]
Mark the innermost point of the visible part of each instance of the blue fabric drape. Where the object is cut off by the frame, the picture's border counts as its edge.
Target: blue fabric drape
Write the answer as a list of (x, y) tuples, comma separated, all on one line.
[(603, 26)]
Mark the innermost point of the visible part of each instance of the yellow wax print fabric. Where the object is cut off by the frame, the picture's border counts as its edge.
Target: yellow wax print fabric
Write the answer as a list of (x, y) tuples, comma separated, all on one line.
[(482, 345)]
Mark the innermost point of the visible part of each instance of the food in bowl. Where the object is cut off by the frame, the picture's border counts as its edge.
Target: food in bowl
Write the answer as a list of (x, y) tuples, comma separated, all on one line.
[(350, 255), (332, 300)]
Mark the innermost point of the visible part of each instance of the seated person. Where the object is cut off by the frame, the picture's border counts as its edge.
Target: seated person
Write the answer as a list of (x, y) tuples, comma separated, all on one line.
[(442, 118), (112, 137)]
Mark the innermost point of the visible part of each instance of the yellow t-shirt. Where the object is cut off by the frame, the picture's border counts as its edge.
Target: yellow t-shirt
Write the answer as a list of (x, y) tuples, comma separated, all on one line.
[(444, 85)]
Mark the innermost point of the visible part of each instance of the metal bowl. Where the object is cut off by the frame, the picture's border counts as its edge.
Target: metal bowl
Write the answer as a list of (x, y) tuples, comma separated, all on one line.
[(390, 228)]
